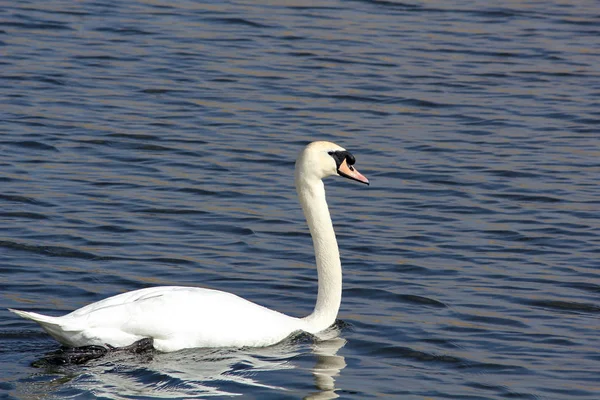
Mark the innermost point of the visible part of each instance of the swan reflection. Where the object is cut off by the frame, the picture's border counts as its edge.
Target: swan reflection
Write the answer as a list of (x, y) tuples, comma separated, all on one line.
[(200, 373), (328, 366)]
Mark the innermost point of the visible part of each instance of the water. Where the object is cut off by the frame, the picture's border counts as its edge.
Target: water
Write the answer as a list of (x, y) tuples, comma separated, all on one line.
[(152, 143)]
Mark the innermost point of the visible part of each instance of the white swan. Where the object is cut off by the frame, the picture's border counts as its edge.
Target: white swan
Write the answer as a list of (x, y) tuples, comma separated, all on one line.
[(176, 317)]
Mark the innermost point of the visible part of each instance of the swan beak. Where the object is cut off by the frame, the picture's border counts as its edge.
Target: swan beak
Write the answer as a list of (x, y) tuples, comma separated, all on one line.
[(348, 171)]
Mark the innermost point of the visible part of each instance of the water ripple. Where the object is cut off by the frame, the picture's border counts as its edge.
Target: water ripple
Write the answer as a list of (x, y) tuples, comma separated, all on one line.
[(153, 144)]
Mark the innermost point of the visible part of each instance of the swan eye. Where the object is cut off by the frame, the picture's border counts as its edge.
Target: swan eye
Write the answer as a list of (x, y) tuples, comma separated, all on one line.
[(342, 155), (338, 156)]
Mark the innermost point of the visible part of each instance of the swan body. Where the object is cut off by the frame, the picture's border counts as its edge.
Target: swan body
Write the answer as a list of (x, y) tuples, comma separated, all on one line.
[(178, 317), (175, 317)]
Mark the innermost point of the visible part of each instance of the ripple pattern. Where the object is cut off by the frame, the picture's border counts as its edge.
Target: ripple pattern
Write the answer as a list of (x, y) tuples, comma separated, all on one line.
[(153, 143)]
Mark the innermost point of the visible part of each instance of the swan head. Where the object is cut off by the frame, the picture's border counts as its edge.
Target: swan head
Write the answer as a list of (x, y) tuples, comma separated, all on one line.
[(321, 159)]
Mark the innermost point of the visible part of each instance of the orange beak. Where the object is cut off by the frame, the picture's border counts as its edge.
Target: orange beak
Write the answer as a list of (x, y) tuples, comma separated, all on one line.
[(348, 171)]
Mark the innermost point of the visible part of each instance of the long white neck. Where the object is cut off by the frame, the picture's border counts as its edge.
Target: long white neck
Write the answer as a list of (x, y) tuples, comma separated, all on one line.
[(329, 268)]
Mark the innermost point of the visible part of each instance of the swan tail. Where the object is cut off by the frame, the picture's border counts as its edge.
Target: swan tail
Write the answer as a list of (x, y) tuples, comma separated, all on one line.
[(39, 318), (52, 325), (32, 316)]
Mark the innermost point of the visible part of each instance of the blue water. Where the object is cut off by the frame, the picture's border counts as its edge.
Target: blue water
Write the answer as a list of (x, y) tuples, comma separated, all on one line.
[(152, 143)]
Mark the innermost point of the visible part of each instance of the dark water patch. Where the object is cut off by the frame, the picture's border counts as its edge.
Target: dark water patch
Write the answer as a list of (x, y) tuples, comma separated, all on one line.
[(312, 7), (224, 80), (407, 298), (269, 221), (143, 147), (560, 231), (565, 306), (527, 198), (31, 144), (501, 13), (226, 194), (502, 391), (124, 31), (52, 81), (393, 4), (139, 159), (23, 341), (570, 393), (171, 260), (46, 26), (338, 60), (428, 177), (550, 74), (483, 319), (505, 234), (114, 229), (512, 174), (234, 230), (134, 136), (425, 103), (109, 184), (449, 182), (592, 22), (442, 342), (158, 91), (536, 240), (93, 142), (238, 21), (399, 352), (262, 161), (336, 110), (361, 249), (467, 329), (382, 294), (172, 211), (466, 210), (542, 338), (500, 56), (55, 251), (292, 234), (407, 353), (22, 214), (360, 99), (294, 38), (584, 286), (529, 250), (97, 57), (23, 199), (429, 149)]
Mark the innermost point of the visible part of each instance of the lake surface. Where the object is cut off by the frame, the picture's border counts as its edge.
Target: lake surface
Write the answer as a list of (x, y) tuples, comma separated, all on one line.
[(152, 143)]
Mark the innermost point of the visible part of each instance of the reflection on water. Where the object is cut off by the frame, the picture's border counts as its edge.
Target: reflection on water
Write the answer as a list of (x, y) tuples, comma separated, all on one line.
[(328, 366), (195, 372)]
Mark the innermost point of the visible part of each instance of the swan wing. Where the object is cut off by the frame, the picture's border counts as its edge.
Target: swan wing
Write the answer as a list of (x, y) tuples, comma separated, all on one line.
[(175, 317)]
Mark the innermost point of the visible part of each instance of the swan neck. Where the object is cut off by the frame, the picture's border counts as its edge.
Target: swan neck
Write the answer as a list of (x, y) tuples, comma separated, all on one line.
[(329, 268)]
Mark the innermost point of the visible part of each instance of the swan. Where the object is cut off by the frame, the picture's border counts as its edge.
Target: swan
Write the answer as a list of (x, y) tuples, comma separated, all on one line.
[(178, 317)]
